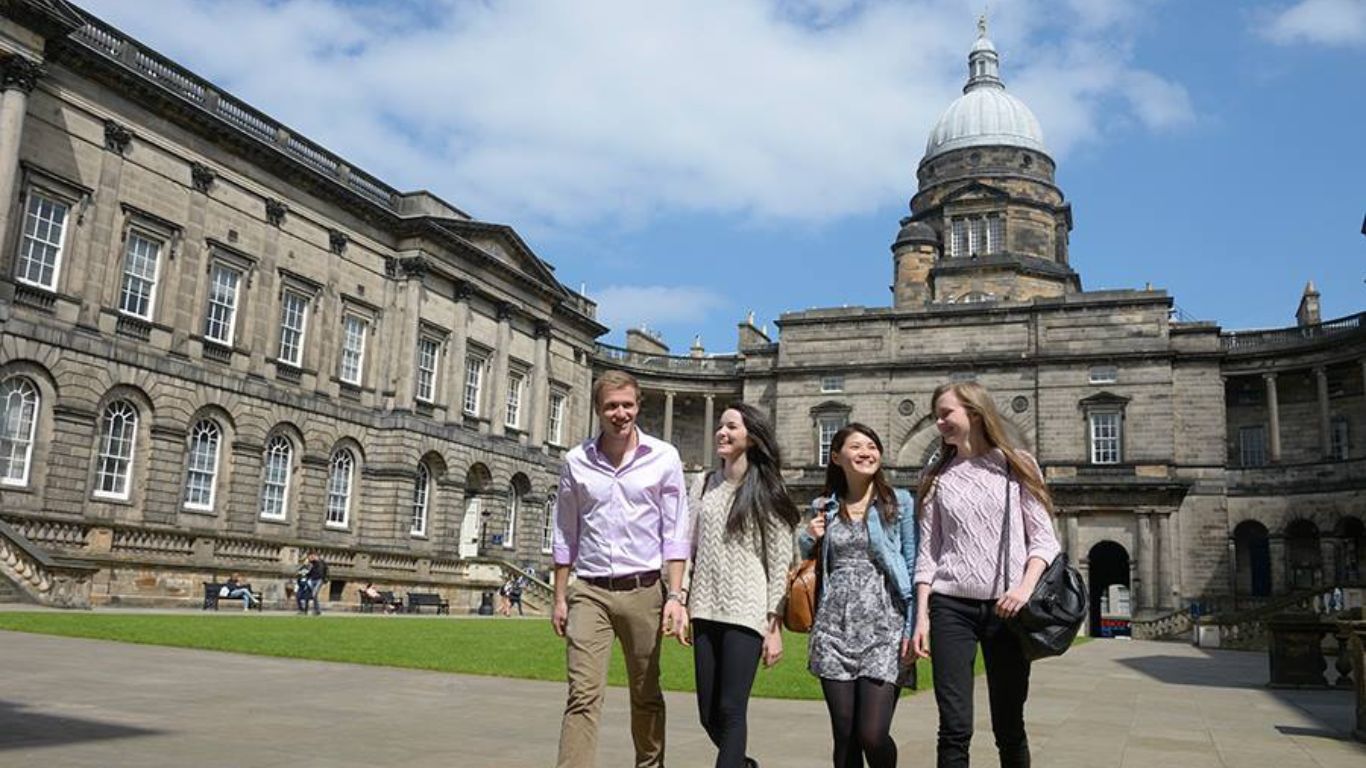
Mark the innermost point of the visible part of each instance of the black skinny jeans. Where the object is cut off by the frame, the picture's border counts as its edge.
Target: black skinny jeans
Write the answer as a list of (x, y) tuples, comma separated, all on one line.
[(957, 625), (725, 659)]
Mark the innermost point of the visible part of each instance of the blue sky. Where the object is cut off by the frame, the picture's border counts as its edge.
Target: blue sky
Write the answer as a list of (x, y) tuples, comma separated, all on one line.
[(691, 161)]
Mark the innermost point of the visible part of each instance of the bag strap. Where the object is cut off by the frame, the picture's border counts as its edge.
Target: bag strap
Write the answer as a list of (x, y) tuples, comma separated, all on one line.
[(1003, 555)]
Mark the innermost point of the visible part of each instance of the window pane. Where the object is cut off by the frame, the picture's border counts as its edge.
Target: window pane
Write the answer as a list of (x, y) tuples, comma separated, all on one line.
[(960, 237), (1252, 446), (996, 234), (118, 434), (292, 320), (514, 410), (514, 508), (275, 478), (1340, 434), (339, 489), (18, 420), (353, 349), (41, 250), (474, 378), (426, 369), (548, 529), (556, 419), (218, 325), (203, 466), (1105, 438), (829, 425), (421, 488), (140, 265)]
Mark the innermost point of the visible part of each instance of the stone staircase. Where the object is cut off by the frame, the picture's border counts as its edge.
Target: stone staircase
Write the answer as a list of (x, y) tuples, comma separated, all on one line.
[(9, 593), (30, 574)]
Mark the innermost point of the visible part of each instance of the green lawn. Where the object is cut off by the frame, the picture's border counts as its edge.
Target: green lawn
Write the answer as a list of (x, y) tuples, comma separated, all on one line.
[(502, 648)]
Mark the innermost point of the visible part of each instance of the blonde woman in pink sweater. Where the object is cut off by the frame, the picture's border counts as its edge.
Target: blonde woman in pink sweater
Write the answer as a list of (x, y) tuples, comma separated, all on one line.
[(960, 575)]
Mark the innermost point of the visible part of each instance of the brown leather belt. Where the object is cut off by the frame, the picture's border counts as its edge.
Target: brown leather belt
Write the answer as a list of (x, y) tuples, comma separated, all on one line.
[(623, 583)]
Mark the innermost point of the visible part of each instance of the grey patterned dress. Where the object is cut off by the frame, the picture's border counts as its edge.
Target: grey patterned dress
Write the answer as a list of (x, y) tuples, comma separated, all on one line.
[(858, 626)]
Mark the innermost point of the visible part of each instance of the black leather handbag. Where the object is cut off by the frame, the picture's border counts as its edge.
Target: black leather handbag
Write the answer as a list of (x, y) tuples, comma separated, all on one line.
[(1049, 622)]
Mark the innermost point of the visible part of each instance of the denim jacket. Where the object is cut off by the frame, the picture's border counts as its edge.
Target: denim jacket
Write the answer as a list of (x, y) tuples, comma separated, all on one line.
[(892, 548)]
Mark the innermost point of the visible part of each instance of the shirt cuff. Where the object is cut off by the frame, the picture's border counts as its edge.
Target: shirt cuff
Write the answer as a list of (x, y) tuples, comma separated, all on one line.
[(562, 555), (677, 550)]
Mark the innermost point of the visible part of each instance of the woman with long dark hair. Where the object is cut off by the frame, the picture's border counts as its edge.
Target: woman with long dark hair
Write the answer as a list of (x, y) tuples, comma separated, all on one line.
[(961, 573), (743, 524), (865, 614)]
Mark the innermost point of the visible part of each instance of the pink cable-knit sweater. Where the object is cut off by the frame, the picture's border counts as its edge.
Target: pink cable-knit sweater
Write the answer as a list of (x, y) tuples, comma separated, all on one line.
[(960, 529)]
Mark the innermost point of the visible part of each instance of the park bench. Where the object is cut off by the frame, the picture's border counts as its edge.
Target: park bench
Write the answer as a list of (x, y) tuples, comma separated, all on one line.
[(211, 598), (385, 600), (419, 600)]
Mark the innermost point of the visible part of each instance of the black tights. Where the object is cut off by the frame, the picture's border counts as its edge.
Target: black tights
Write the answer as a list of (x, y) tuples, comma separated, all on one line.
[(725, 658), (861, 719)]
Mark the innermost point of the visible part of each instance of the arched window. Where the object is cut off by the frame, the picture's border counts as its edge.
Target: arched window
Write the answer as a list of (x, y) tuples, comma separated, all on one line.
[(421, 490), (514, 508), (339, 489), (18, 420), (202, 470), (548, 530), (275, 472), (118, 437)]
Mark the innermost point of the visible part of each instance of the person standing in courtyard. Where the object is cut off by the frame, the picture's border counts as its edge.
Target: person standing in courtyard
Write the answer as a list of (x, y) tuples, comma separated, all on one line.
[(961, 575), (620, 517), (743, 523), (312, 582), (860, 642)]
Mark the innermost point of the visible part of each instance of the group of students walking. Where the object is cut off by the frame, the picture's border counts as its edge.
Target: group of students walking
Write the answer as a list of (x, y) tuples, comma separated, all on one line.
[(903, 575)]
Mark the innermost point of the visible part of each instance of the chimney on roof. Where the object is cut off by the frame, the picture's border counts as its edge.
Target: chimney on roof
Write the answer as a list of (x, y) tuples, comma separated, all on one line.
[(1308, 313)]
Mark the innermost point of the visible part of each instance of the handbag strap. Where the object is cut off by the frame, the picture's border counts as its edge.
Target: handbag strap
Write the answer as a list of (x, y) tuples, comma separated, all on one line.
[(1003, 555)]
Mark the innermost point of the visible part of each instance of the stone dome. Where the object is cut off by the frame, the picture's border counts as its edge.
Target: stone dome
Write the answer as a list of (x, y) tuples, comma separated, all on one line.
[(913, 232), (985, 115)]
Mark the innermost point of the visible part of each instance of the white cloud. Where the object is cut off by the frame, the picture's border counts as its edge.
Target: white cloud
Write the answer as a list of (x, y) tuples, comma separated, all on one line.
[(630, 306), (573, 114), (1326, 22)]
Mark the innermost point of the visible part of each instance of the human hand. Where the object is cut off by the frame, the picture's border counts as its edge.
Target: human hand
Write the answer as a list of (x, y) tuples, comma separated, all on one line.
[(1011, 602), (559, 616), (817, 526), (920, 639), (674, 621), (773, 647)]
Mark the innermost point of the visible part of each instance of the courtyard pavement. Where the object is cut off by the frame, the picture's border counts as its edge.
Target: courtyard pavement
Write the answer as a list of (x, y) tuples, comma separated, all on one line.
[(72, 702)]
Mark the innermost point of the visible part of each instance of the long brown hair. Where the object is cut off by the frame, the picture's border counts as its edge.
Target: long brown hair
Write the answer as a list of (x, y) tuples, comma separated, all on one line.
[(761, 492), (835, 482), (979, 405)]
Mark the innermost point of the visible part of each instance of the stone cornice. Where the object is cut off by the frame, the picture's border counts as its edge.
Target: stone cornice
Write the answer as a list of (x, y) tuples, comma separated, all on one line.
[(18, 73)]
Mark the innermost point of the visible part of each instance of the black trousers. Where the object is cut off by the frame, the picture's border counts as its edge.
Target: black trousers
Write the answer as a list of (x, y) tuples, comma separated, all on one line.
[(957, 625), (725, 659)]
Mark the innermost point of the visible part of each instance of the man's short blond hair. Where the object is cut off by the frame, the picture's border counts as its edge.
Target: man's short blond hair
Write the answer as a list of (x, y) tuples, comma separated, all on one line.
[(611, 381)]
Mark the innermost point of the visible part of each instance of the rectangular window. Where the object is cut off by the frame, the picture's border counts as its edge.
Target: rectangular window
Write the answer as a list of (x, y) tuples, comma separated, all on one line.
[(832, 383), (514, 412), (828, 426), (554, 430), (1340, 433), (40, 252), (1105, 438), (218, 326), (996, 234), (977, 236), (353, 349), (293, 320), (1252, 446), (426, 369), (141, 263), (1103, 374), (474, 380), (960, 237), (548, 529)]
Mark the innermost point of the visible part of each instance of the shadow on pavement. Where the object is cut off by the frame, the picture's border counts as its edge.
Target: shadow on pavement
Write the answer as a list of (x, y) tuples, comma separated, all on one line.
[(1239, 670), (23, 729)]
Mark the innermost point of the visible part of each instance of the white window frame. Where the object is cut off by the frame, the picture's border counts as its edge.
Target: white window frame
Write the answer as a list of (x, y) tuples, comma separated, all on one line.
[(275, 483), (226, 306), (832, 382), (19, 403), (1102, 374), (548, 531), (341, 475), (514, 509), (351, 360), (292, 339), (428, 357), (826, 427), (1252, 446), (512, 419), (1106, 429), (475, 366), (422, 491), (117, 451), (130, 278), (1340, 431), (958, 239), (30, 239), (555, 418), (201, 469)]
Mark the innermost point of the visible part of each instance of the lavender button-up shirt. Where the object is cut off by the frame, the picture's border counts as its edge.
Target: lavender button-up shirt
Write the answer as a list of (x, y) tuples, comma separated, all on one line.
[(612, 521)]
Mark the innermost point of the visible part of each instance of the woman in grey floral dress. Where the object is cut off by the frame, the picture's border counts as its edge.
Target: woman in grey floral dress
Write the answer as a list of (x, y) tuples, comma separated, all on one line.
[(860, 641)]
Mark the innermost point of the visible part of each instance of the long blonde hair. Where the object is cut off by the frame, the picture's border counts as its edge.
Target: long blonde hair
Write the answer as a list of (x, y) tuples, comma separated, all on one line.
[(978, 403)]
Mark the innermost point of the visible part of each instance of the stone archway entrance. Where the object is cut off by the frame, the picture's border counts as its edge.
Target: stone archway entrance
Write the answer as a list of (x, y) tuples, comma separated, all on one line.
[(1108, 566), (477, 481), (1252, 552)]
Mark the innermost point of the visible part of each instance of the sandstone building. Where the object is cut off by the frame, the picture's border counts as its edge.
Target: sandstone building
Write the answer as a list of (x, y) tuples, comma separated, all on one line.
[(221, 345)]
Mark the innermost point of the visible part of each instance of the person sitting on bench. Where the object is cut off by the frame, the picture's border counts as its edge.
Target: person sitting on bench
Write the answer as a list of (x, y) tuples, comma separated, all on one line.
[(236, 588), (375, 596)]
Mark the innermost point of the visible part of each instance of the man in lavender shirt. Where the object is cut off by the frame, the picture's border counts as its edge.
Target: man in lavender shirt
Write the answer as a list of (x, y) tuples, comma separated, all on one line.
[(620, 516)]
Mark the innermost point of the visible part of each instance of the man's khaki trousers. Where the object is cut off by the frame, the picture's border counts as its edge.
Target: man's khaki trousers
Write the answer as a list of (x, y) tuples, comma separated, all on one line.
[(595, 616)]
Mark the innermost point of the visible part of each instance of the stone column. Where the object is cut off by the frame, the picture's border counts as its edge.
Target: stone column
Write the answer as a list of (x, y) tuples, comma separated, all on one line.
[(668, 416), (1073, 525), (708, 427), (18, 77), (538, 410), (404, 332), (1325, 430), (498, 384), (1273, 411), (1166, 562), (455, 354), (1147, 586), (1233, 570)]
